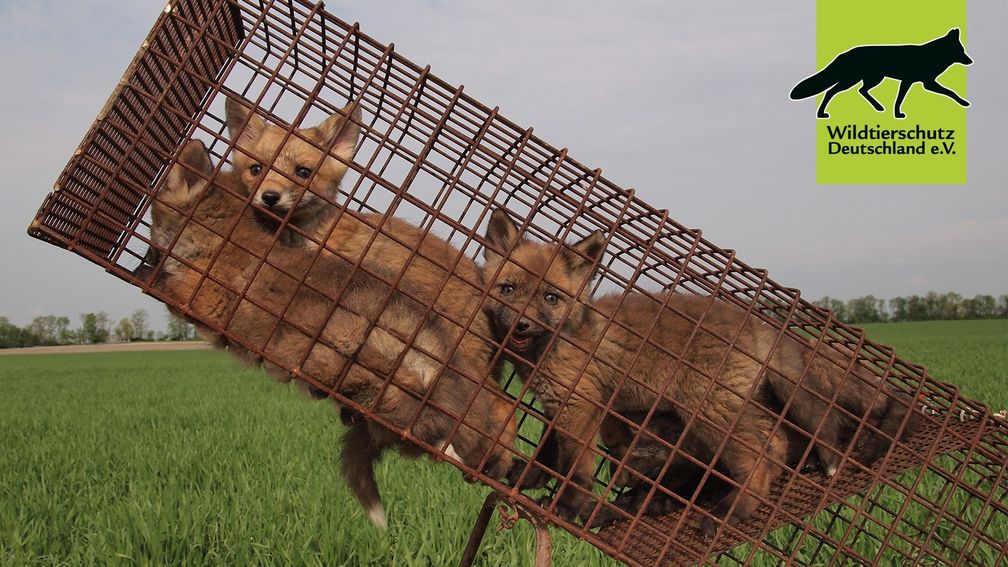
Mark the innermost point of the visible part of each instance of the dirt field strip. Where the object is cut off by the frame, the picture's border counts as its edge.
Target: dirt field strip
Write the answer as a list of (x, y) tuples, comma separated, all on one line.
[(111, 347)]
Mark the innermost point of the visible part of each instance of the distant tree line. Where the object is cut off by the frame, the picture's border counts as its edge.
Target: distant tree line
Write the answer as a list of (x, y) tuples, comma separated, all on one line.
[(97, 328), (94, 328), (930, 307)]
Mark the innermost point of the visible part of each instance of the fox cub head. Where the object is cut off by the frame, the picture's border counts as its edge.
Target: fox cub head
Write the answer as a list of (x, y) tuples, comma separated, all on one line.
[(533, 285), (279, 171)]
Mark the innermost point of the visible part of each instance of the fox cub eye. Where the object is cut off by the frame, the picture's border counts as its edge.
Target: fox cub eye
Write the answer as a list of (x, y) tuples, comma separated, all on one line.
[(255, 169), (507, 289), (551, 298), (302, 172)]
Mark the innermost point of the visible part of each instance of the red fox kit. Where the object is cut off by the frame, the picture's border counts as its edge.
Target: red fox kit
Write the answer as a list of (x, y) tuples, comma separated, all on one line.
[(870, 64), (363, 337), (437, 272), (428, 268), (686, 366)]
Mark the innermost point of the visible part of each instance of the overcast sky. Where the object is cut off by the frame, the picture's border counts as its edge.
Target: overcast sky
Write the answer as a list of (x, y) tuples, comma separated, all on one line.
[(684, 101)]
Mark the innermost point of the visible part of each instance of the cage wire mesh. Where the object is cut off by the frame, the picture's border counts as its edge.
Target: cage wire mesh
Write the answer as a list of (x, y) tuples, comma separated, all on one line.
[(671, 482)]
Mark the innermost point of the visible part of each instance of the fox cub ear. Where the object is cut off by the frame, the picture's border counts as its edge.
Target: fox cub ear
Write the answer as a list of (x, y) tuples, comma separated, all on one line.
[(244, 126), (342, 130), (189, 174), (583, 256), (501, 235)]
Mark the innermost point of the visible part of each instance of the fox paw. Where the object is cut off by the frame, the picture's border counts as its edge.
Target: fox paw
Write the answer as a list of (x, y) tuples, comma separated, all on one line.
[(605, 517), (709, 527)]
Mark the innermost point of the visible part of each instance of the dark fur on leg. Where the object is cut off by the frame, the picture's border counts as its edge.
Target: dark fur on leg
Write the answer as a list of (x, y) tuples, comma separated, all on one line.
[(357, 461)]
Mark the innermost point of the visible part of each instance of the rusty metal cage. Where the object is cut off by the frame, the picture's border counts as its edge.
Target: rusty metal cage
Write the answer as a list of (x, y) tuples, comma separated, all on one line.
[(432, 155)]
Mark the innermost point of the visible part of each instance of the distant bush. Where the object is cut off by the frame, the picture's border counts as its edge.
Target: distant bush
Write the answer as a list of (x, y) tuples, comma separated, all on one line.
[(930, 307)]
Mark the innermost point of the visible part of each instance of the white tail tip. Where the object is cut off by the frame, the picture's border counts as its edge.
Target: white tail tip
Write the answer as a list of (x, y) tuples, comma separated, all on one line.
[(377, 516)]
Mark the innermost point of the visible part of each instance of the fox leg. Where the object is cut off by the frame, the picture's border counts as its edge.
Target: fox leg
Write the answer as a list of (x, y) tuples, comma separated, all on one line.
[(903, 88), (875, 403), (537, 477), (575, 457), (751, 473), (814, 415), (837, 88), (887, 415), (681, 473), (934, 87), (867, 85), (818, 419)]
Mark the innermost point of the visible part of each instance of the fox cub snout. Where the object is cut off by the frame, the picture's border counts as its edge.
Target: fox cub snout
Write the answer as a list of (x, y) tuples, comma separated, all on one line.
[(289, 172)]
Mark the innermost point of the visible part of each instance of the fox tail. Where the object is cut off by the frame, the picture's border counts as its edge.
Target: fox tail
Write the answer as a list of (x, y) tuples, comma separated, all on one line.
[(814, 85), (357, 461)]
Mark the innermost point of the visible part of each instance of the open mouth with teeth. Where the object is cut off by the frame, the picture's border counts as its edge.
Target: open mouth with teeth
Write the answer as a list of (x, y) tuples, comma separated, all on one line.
[(521, 341)]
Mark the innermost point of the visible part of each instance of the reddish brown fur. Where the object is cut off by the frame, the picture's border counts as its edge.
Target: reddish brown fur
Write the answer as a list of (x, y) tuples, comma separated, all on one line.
[(292, 166), (711, 386), (348, 341), (433, 271), (440, 274)]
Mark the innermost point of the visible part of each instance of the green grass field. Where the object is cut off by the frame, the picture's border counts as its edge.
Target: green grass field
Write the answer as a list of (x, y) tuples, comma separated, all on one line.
[(185, 458)]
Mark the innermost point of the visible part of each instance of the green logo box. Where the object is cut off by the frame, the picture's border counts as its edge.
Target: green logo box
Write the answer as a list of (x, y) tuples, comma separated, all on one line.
[(867, 145)]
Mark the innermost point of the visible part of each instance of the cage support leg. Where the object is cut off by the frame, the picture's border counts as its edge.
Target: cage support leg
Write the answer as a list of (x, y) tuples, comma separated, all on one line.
[(544, 545), (479, 529)]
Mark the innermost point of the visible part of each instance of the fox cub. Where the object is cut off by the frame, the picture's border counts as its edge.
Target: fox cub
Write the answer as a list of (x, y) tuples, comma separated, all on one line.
[(377, 346), (671, 351), (389, 248), (425, 267)]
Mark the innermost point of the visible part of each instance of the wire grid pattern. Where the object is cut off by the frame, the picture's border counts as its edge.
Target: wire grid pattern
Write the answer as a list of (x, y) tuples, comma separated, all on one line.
[(431, 154)]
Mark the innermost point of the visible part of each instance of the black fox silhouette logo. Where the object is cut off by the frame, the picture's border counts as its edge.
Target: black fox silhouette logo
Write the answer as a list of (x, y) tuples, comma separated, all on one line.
[(869, 64)]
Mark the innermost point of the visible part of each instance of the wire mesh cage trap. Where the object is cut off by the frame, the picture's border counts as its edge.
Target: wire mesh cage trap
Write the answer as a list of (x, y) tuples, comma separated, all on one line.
[(317, 203)]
